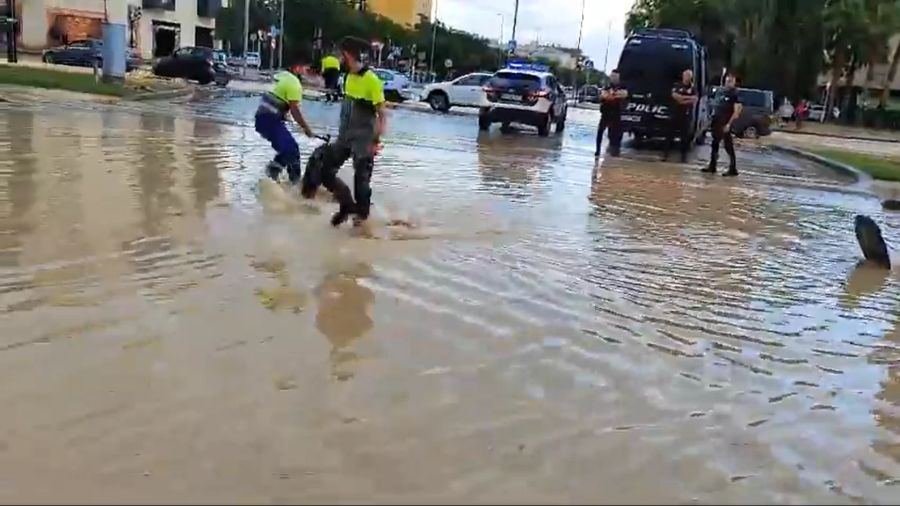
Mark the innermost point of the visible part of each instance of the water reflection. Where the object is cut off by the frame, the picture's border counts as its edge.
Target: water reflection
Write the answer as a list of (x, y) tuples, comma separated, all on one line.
[(17, 185), (343, 314), (205, 158), (510, 164), (711, 334)]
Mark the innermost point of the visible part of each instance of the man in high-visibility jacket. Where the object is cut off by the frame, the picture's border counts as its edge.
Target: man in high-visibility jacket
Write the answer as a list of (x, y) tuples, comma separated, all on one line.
[(271, 114), (331, 72), (361, 128)]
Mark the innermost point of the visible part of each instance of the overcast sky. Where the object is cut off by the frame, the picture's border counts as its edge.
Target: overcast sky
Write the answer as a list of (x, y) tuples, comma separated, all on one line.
[(553, 22)]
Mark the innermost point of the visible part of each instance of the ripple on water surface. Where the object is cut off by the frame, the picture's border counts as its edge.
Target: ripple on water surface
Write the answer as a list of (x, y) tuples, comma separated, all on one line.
[(519, 306)]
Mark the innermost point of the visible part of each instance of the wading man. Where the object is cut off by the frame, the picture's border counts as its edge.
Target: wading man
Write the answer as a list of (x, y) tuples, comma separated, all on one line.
[(684, 97), (612, 99), (361, 126), (331, 73), (728, 108), (271, 115)]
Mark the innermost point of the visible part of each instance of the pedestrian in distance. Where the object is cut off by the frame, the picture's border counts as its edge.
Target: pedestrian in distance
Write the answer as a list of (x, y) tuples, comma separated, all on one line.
[(727, 110), (270, 121), (331, 72), (362, 124), (684, 96), (612, 100)]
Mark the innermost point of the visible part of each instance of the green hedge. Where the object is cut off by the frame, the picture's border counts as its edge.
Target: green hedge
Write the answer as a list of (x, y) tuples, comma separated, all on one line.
[(54, 79)]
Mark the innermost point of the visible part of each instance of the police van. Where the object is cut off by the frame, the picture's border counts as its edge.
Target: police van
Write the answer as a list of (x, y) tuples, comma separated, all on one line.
[(651, 63)]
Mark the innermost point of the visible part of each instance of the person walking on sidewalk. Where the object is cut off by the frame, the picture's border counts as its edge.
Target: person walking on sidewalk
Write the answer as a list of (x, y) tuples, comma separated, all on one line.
[(271, 114), (612, 99), (684, 96), (331, 72), (727, 110), (362, 124)]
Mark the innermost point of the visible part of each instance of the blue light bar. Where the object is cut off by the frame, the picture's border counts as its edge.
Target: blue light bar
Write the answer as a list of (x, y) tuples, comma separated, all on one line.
[(526, 65)]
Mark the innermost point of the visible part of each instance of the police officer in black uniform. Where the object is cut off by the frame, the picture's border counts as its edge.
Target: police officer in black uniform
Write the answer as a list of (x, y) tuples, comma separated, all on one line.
[(684, 96), (612, 99), (728, 108)]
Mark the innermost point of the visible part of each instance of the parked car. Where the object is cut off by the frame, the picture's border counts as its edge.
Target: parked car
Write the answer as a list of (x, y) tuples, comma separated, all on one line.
[(524, 93), (465, 91), (253, 60), (396, 85), (195, 64), (817, 113), (84, 53), (589, 93), (755, 120)]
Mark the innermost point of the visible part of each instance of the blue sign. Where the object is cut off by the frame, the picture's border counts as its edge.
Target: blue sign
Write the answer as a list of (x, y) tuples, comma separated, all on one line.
[(588, 64), (511, 46)]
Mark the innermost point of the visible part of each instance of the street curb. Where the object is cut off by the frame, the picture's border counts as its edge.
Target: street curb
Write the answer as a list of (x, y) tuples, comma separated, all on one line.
[(861, 177), (160, 95), (848, 137)]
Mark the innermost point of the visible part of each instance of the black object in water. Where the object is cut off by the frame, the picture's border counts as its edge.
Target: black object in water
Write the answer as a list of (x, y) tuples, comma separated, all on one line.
[(870, 241)]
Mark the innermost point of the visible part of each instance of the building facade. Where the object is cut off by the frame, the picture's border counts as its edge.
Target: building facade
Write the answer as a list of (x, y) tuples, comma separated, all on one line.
[(405, 12), (155, 27)]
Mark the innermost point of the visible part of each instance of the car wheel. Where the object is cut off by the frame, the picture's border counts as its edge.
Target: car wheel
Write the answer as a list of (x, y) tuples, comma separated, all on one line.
[(439, 101), (484, 124), (750, 132), (639, 140), (48, 58), (544, 128), (561, 122)]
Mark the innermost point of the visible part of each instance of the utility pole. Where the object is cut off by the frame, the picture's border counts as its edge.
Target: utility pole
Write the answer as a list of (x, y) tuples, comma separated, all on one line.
[(281, 38), (578, 49), (246, 32), (606, 56), (515, 20), (433, 39)]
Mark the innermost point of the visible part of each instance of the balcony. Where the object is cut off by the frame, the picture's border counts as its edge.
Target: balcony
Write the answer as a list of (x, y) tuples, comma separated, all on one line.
[(164, 5), (208, 8)]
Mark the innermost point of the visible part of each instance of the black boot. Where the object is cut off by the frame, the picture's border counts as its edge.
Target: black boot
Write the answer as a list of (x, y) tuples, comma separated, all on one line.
[(294, 172), (709, 170), (731, 172), (339, 218), (273, 170)]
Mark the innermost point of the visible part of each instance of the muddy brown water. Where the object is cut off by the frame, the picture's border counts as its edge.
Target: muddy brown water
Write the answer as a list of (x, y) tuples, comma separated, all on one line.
[(551, 329)]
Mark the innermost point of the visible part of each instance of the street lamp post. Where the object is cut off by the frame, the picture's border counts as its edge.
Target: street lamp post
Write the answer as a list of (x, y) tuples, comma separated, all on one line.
[(500, 41), (515, 21), (433, 39), (281, 37), (246, 33)]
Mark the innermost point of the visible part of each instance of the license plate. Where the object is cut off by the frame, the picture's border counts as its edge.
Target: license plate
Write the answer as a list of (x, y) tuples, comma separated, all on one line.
[(631, 118), (510, 96)]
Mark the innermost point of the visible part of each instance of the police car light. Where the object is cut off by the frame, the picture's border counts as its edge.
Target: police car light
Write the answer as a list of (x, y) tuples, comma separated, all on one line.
[(524, 65)]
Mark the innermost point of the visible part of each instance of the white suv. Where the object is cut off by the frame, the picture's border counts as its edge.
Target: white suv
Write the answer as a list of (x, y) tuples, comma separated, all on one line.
[(526, 94), (463, 91)]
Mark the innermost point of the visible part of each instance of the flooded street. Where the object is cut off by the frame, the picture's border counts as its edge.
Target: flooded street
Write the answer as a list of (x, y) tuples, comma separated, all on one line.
[(550, 330)]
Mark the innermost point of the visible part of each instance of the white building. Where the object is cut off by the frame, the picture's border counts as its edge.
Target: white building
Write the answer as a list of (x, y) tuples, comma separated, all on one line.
[(156, 27), (564, 57)]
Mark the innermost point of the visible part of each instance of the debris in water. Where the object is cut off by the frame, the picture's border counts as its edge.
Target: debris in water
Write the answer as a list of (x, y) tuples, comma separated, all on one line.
[(871, 242)]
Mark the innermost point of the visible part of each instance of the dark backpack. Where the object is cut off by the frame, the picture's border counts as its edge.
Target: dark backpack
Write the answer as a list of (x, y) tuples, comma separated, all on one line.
[(317, 163)]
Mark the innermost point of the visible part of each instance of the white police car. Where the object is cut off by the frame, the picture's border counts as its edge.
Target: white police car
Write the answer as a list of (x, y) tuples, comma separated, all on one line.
[(524, 93)]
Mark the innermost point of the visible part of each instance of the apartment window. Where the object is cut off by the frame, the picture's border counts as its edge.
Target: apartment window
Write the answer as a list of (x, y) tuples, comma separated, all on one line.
[(165, 5)]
